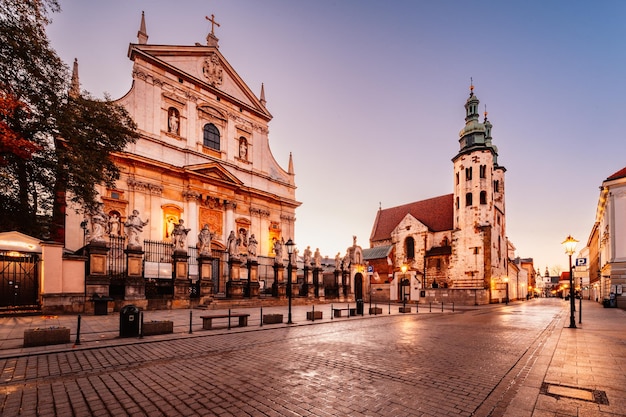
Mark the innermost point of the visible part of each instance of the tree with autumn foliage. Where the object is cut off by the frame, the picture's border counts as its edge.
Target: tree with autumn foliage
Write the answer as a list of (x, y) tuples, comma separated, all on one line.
[(55, 145)]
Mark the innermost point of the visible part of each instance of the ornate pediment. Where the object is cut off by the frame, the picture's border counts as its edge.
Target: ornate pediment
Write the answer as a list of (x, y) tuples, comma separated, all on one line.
[(214, 171)]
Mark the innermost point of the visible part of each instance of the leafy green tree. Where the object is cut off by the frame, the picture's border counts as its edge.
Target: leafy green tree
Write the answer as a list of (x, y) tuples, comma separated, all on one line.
[(70, 136)]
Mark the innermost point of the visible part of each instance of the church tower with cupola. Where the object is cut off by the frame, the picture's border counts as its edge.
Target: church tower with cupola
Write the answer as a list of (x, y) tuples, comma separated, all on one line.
[(479, 243)]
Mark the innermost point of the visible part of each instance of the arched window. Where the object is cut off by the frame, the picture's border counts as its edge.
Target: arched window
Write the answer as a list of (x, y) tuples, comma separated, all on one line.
[(496, 186), (211, 137), (468, 199), (457, 203), (409, 248), (483, 171), (483, 197), (468, 173)]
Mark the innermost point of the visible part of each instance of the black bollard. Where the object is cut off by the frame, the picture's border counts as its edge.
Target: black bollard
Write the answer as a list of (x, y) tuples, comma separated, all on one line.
[(453, 307), (430, 307), (141, 325), (442, 306), (331, 312), (313, 313), (190, 321), (78, 332), (229, 319), (348, 310), (261, 325)]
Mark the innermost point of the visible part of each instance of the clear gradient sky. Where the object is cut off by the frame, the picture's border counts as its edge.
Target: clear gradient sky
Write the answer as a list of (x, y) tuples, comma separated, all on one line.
[(369, 95)]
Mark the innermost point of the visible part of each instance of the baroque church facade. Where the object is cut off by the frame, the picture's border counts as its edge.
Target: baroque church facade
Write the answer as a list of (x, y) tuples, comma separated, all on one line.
[(453, 246), (203, 160)]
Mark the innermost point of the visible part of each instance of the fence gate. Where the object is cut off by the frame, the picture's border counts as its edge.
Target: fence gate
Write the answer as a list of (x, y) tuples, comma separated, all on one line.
[(18, 279)]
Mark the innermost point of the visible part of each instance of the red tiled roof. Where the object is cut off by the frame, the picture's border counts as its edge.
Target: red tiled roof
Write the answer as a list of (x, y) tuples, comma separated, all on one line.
[(619, 174), (435, 213)]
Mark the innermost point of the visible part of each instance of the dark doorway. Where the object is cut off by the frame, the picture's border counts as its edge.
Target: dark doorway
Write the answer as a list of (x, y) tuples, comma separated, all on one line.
[(18, 279)]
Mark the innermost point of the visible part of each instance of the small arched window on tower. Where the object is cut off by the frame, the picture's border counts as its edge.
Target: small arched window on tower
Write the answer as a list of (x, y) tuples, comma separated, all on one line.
[(483, 171), (483, 197), (468, 199), (458, 204), (496, 186), (457, 178), (211, 136), (468, 173), (409, 247)]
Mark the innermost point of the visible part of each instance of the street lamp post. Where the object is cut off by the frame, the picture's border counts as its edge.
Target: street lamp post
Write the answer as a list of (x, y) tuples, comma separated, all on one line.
[(580, 304), (290, 246), (403, 268), (570, 247)]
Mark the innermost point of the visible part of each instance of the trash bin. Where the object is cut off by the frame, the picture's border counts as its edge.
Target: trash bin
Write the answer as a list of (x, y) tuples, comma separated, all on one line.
[(129, 321), (605, 303), (100, 305), (359, 306)]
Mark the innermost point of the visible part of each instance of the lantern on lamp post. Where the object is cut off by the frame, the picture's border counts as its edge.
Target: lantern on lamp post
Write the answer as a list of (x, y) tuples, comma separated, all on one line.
[(569, 244)]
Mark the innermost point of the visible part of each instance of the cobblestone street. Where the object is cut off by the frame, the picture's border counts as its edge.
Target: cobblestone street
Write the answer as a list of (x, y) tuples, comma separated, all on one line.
[(461, 364)]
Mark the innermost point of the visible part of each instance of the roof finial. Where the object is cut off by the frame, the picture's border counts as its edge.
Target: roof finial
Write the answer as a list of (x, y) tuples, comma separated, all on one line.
[(290, 169), (211, 39), (471, 86), (262, 98), (142, 34), (486, 112), (75, 84)]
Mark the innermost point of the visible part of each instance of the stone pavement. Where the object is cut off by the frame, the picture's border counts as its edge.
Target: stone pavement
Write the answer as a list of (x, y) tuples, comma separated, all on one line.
[(522, 361)]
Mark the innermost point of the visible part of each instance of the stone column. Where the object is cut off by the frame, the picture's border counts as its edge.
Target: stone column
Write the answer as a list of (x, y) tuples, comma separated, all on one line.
[(279, 289), (181, 280), (205, 272), (97, 280), (135, 286), (339, 282), (253, 278), (318, 280), (309, 288), (234, 286)]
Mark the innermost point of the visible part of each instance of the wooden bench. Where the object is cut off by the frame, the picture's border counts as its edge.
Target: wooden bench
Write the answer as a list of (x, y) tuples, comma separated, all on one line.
[(207, 321), (337, 311)]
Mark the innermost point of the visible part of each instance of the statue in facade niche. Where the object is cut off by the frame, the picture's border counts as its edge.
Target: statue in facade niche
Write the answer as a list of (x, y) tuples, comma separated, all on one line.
[(338, 261), (179, 235), (317, 258), (114, 224), (134, 227), (204, 241)]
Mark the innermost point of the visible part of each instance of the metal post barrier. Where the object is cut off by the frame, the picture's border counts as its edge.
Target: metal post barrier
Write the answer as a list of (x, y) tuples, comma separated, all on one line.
[(442, 306), (313, 312), (417, 307), (190, 321), (229, 319), (389, 308), (348, 310), (261, 325), (331, 312), (430, 306), (453, 307), (141, 325), (78, 332)]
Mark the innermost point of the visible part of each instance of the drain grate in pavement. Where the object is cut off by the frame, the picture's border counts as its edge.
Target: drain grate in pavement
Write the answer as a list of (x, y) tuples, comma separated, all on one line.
[(557, 391)]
